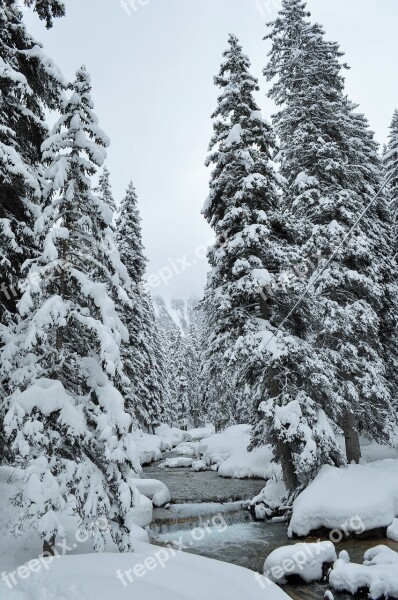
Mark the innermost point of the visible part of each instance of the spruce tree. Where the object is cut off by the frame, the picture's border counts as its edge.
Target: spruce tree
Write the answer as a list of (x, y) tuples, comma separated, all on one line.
[(247, 298), (142, 354), (332, 172), (104, 190), (29, 84), (391, 173), (66, 420), (179, 381)]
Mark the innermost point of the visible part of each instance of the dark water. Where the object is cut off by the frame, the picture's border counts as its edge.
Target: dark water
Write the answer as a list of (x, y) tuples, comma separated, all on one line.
[(239, 541)]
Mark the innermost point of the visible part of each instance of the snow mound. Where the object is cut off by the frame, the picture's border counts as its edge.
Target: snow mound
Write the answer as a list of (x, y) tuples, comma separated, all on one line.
[(149, 573), (392, 531), (178, 461), (243, 464), (155, 490), (356, 498), (187, 449), (217, 448), (199, 465), (148, 446), (305, 560), (378, 574), (170, 436), (199, 433)]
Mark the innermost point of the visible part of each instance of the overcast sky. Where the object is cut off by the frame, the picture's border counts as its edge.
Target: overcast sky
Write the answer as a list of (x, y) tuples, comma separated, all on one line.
[(152, 65)]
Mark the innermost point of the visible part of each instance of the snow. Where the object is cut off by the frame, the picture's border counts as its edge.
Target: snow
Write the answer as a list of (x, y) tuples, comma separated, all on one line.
[(379, 574), (199, 465), (243, 464), (178, 461), (169, 436), (269, 498), (234, 136), (392, 531), (356, 496), (217, 448), (304, 560), (187, 449), (155, 490), (150, 573), (148, 446), (199, 433)]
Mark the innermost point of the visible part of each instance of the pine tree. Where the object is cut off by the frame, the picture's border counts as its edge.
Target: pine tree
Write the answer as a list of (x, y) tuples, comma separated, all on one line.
[(66, 420), (391, 172), (29, 84), (104, 190), (245, 303), (179, 383), (144, 367), (332, 172)]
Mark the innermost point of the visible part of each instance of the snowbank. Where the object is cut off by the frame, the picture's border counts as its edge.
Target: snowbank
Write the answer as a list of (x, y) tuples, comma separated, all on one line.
[(305, 560), (149, 447), (149, 573), (356, 498), (178, 461), (199, 465), (243, 464), (392, 531), (170, 436), (217, 448), (378, 574), (155, 490), (195, 435), (187, 449)]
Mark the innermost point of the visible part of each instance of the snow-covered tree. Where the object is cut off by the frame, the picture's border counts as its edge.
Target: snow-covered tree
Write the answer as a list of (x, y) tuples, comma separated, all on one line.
[(146, 393), (104, 190), (66, 420), (245, 303), (29, 84), (179, 381), (332, 172), (391, 171)]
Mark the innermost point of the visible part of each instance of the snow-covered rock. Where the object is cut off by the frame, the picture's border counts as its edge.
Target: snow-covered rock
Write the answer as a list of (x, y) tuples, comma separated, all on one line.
[(142, 511), (378, 574), (149, 447), (217, 448), (155, 490), (200, 433), (187, 449), (170, 436), (176, 462), (199, 465), (392, 531), (356, 498), (305, 560)]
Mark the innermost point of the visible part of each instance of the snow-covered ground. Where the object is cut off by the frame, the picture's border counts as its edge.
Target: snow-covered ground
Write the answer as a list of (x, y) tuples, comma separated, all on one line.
[(356, 498)]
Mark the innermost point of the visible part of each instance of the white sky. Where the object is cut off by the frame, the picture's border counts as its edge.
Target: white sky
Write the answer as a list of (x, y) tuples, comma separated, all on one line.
[(152, 73)]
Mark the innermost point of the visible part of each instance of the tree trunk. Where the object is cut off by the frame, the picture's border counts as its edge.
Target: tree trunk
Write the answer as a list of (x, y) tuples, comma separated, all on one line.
[(352, 447), (48, 547), (288, 472), (283, 449)]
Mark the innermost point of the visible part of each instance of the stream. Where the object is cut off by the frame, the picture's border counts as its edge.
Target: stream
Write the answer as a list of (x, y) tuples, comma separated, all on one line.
[(206, 516)]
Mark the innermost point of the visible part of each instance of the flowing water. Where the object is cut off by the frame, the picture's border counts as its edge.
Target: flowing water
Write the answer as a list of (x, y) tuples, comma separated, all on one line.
[(208, 519)]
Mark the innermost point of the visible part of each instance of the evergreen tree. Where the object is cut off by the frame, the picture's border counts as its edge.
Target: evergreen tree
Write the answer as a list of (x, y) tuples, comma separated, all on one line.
[(179, 383), (144, 367), (66, 420), (104, 190), (245, 303), (330, 164), (391, 172), (29, 84)]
